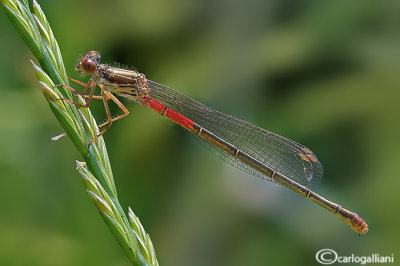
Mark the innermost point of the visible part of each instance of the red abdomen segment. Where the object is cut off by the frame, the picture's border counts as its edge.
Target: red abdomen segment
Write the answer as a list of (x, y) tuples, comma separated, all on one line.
[(164, 110)]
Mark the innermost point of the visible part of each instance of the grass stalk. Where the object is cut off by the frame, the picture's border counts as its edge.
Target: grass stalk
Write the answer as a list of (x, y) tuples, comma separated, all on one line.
[(81, 127)]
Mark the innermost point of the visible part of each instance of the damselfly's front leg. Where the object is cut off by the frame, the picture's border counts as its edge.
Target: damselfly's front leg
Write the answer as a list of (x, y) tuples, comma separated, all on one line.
[(80, 83), (91, 86), (72, 89)]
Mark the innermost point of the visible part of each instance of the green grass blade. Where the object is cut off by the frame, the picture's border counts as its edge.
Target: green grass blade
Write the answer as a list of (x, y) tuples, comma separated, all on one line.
[(81, 127)]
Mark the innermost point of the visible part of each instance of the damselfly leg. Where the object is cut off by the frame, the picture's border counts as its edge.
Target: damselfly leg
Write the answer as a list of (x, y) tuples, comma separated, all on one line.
[(105, 96)]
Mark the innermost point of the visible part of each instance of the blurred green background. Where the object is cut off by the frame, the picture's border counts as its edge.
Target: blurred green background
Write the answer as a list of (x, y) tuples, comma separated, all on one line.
[(325, 74)]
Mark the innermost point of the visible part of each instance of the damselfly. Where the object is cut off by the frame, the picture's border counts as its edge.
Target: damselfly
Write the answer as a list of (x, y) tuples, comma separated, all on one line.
[(246, 146)]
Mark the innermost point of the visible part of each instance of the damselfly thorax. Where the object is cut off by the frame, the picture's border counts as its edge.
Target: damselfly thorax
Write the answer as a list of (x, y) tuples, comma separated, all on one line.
[(126, 83)]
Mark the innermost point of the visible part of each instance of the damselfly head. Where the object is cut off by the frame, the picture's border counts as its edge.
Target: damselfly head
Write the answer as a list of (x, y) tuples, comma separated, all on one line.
[(88, 63)]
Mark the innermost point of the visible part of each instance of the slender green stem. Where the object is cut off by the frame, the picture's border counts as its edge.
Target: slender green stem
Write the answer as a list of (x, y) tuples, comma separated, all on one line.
[(81, 127)]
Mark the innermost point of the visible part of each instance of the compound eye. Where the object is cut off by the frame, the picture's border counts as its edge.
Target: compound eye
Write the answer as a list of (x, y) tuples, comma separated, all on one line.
[(89, 66)]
